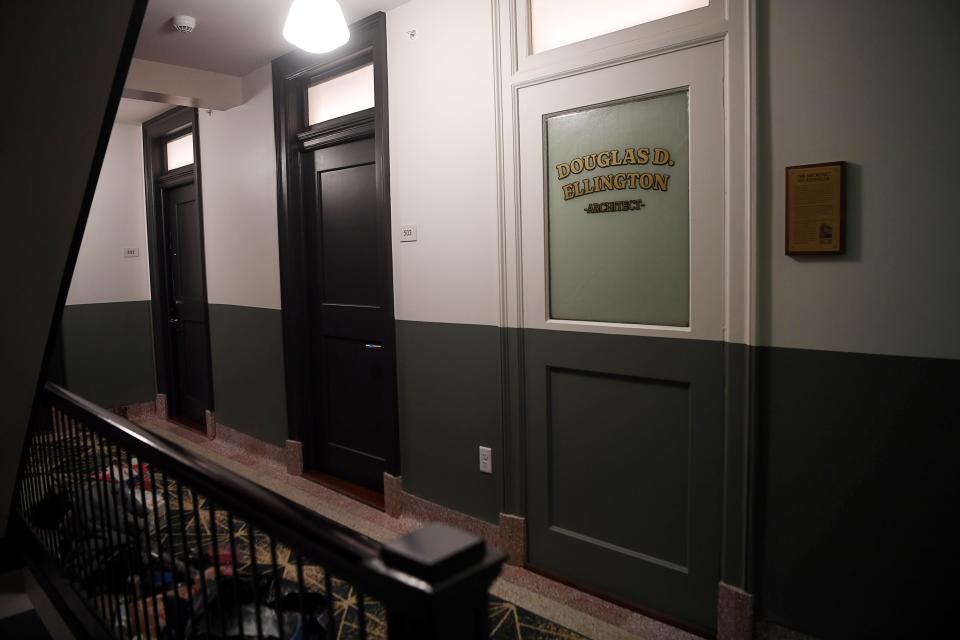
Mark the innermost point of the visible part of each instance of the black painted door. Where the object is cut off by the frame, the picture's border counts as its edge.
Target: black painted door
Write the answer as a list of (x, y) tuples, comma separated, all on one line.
[(186, 301), (352, 324)]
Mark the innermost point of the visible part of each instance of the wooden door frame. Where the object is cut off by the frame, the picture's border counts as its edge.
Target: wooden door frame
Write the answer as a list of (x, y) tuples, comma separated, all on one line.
[(156, 132), (292, 75)]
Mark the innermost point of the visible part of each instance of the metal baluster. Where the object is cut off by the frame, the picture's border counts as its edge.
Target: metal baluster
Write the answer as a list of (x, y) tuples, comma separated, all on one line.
[(276, 586), (80, 561), (53, 479), (131, 600), (173, 557), (328, 588), (86, 513), (300, 590), (21, 481), (29, 476), (252, 535), (141, 466), (201, 555), (57, 451), (216, 566), (94, 542), (31, 479), (36, 470), (44, 478), (23, 475), (186, 553), (157, 534), (48, 477), (86, 499), (95, 495), (107, 536), (58, 447), (361, 614), (119, 528), (118, 499), (233, 562), (139, 597)]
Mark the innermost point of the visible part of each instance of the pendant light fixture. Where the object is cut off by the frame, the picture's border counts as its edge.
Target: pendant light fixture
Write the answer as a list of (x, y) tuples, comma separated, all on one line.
[(316, 26)]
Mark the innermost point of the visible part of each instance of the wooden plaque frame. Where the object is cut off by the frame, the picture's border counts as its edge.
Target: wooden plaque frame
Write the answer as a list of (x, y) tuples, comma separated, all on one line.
[(815, 218)]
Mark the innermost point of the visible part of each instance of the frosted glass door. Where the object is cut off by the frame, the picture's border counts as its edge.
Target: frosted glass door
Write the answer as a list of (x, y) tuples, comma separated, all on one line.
[(622, 198), (618, 202)]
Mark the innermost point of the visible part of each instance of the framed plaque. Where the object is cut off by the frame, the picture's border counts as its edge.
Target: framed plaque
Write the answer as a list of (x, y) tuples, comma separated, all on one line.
[(815, 209)]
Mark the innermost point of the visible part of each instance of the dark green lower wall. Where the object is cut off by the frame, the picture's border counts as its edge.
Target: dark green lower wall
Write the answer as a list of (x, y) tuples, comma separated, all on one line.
[(107, 352), (449, 395), (858, 484), (246, 348), (107, 357), (855, 472)]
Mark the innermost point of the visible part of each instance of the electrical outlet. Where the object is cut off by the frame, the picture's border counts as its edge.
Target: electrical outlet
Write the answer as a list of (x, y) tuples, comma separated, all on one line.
[(486, 460)]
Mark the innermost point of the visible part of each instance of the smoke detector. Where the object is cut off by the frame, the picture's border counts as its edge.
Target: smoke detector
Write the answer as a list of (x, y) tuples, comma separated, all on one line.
[(184, 24)]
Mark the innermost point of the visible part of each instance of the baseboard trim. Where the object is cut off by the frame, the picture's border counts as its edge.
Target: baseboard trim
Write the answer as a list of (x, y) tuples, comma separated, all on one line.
[(392, 495), (136, 410), (250, 444), (210, 423), (509, 535), (769, 631), (734, 613), (293, 457), (161, 406)]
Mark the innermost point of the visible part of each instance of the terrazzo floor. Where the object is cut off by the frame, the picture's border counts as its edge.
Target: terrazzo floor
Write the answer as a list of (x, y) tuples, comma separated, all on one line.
[(573, 614)]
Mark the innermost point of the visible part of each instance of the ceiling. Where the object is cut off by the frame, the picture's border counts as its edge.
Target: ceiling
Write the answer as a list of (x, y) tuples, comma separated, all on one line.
[(138, 111), (232, 36)]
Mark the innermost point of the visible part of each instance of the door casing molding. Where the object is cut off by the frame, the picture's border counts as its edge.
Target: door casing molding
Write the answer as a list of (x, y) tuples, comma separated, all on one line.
[(733, 23), (292, 74), (156, 131)]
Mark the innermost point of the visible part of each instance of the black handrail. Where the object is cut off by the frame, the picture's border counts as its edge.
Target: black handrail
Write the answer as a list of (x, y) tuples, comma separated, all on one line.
[(300, 527), (432, 583)]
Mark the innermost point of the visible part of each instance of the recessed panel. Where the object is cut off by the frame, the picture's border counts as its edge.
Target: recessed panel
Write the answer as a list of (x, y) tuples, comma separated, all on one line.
[(354, 372), (348, 221), (618, 460), (190, 281), (618, 211)]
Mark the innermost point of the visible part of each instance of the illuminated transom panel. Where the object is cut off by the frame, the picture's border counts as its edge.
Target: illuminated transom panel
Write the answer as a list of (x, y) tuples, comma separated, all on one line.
[(554, 23), (180, 152), (340, 96)]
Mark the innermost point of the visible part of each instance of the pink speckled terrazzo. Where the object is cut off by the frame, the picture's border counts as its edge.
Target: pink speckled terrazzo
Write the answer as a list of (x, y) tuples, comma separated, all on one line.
[(270, 466)]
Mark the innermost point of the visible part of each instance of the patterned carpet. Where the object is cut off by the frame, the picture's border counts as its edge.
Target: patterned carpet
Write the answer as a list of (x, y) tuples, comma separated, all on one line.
[(254, 582), (507, 620)]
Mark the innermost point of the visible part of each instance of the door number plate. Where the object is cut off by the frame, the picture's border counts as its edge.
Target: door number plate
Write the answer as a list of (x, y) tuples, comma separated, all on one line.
[(408, 233)]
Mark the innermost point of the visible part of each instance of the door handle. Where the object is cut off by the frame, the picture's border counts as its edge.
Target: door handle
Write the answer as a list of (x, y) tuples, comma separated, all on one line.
[(174, 320), (372, 346)]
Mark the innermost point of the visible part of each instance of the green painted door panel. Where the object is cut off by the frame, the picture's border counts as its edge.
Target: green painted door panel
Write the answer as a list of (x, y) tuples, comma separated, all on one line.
[(624, 466)]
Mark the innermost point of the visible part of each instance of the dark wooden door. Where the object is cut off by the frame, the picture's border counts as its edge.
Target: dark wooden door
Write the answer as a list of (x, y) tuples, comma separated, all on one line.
[(352, 326), (186, 302)]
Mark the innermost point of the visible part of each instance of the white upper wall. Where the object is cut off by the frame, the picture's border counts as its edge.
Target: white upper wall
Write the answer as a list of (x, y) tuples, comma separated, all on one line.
[(443, 171), (239, 184), (873, 84), (117, 221)]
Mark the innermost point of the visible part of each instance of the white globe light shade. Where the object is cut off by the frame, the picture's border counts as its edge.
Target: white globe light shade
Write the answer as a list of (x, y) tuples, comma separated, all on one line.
[(316, 26)]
